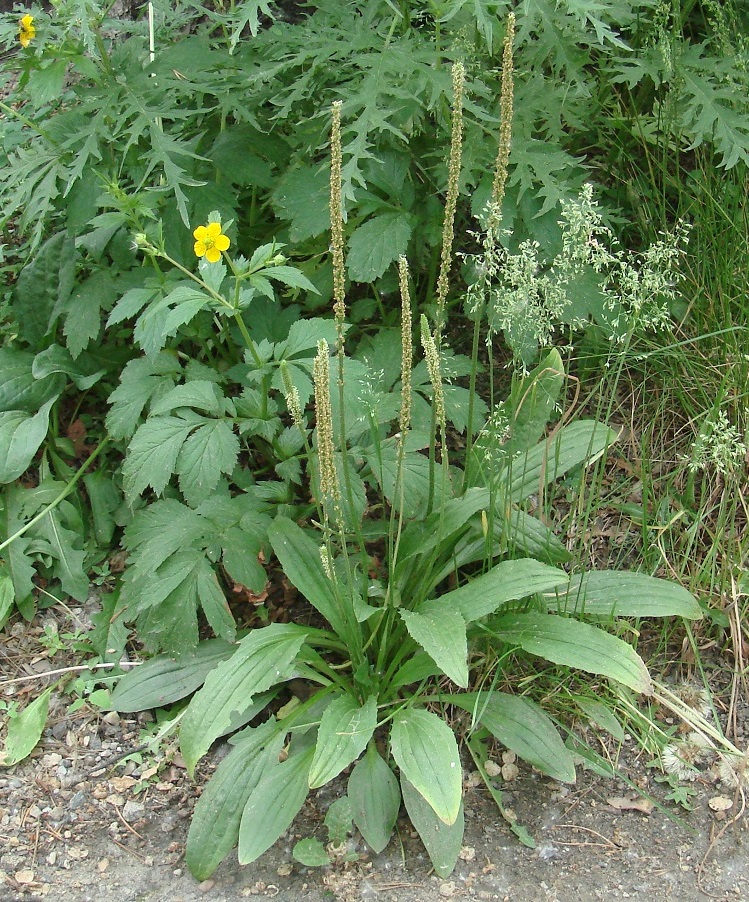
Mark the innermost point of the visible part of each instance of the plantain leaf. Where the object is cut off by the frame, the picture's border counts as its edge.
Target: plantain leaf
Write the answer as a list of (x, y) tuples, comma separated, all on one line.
[(441, 632), (165, 679), (425, 750), (375, 798), (507, 581), (442, 841), (214, 830), (25, 730), (571, 643), (345, 729), (625, 594), (273, 804), (522, 727), (265, 657)]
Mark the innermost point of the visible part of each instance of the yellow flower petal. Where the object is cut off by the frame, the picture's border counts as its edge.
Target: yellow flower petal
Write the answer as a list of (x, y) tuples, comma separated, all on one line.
[(213, 255), (26, 21), (222, 243), (200, 234), (199, 249), (213, 229)]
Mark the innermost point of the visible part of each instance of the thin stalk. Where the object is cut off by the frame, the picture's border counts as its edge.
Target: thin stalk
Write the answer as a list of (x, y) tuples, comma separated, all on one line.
[(61, 497)]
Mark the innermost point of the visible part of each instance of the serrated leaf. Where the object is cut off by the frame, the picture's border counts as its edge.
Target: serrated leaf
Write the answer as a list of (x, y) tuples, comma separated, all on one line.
[(211, 450), (425, 750), (442, 841), (7, 595), (214, 830), (376, 244), (273, 805), (302, 196), (522, 727), (83, 317), (571, 643), (164, 680), (152, 454), (623, 593), (265, 657), (345, 729), (140, 381), (441, 632), (64, 546), (25, 730), (201, 394), (375, 798)]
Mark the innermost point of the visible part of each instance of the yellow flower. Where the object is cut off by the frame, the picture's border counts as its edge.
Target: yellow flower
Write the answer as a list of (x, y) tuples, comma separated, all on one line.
[(209, 242), (26, 32)]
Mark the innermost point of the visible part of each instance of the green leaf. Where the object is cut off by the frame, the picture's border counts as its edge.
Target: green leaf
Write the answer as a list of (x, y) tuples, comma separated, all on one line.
[(64, 544), (302, 196), (507, 581), (201, 394), (7, 595), (211, 450), (311, 853), (339, 819), (299, 556), (441, 632), (20, 438), (273, 805), (84, 372), (164, 680), (565, 641), (20, 389), (141, 380), (425, 750), (25, 730), (599, 714), (442, 841), (522, 727), (375, 798), (265, 657), (376, 244), (581, 442), (345, 729), (152, 454), (83, 317), (214, 830), (43, 286), (611, 593)]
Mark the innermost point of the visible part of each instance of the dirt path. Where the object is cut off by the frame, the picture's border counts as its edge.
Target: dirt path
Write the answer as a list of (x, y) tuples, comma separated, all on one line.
[(81, 823)]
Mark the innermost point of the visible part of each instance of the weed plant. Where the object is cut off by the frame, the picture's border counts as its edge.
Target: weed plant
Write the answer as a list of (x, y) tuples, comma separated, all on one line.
[(243, 419)]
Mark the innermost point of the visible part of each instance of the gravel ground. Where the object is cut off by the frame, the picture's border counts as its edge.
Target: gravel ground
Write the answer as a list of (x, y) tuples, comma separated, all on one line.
[(82, 820)]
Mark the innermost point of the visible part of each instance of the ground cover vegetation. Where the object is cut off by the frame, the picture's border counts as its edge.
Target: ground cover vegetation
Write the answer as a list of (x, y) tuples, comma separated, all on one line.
[(363, 292)]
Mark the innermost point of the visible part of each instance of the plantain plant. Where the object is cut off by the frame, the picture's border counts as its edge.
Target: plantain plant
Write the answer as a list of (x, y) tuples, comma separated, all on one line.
[(421, 568)]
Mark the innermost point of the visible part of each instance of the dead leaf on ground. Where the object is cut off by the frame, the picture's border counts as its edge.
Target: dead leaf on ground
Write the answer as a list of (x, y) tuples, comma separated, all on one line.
[(631, 804)]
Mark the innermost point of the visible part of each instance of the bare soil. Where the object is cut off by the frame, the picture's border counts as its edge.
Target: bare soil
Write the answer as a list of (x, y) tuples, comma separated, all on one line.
[(82, 820)]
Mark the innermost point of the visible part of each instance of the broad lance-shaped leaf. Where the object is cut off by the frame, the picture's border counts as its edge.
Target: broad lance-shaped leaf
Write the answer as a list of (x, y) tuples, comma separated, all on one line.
[(265, 657), (20, 438), (613, 593), (300, 558), (563, 640), (441, 632), (522, 727), (214, 830), (273, 805), (375, 798), (507, 581), (164, 680), (582, 442), (442, 841), (425, 750), (345, 729)]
